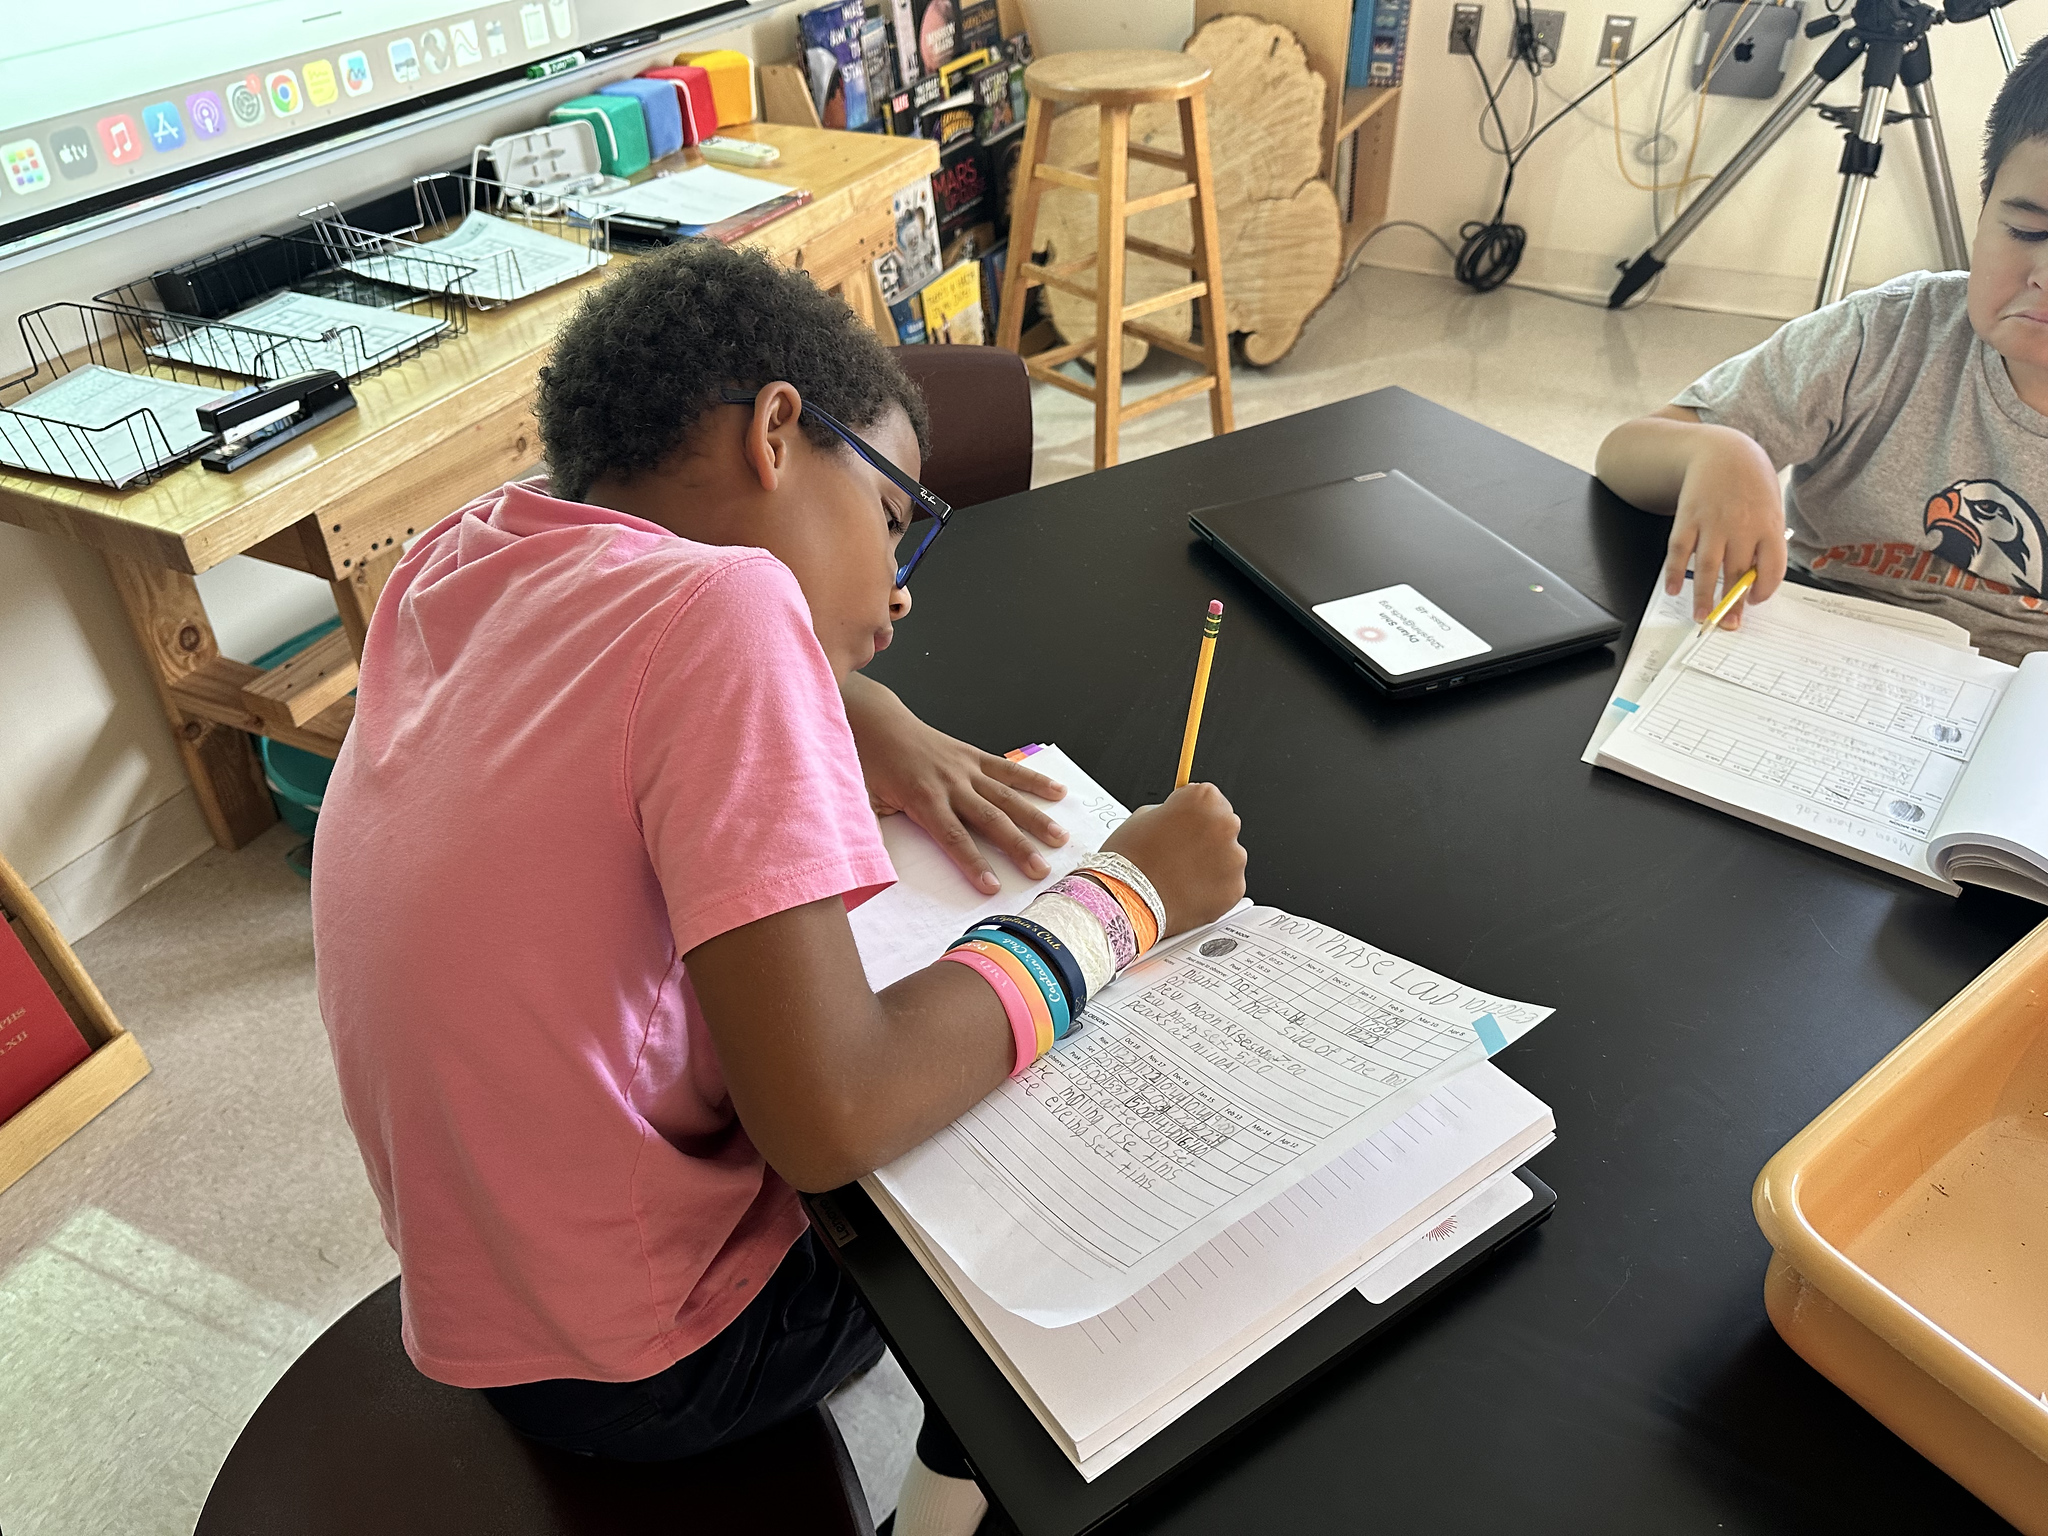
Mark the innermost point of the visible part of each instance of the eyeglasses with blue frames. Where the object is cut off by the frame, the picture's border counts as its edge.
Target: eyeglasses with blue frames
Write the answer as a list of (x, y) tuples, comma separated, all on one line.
[(928, 513)]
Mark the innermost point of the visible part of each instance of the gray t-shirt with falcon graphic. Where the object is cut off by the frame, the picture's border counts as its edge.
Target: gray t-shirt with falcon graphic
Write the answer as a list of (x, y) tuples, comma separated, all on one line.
[(1919, 475)]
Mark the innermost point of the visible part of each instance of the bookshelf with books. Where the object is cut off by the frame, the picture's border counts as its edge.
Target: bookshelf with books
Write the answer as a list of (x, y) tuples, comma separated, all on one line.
[(1359, 116), (950, 71), (71, 1057)]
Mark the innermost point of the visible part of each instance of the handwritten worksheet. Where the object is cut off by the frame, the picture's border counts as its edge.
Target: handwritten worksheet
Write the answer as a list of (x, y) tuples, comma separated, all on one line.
[(1668, 623), (1841, 733), (1209, 1079), (1094, 1381)]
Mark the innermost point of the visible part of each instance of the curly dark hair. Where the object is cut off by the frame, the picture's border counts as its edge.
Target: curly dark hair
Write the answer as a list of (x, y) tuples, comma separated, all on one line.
[(649, 350), (2020, 111)]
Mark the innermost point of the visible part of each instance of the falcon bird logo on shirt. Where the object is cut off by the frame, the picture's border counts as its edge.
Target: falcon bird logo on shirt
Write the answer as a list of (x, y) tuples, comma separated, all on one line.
[(1986, 528)]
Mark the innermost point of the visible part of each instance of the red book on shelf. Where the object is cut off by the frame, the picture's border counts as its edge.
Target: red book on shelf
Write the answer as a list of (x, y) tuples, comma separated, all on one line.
[(38, 1041)]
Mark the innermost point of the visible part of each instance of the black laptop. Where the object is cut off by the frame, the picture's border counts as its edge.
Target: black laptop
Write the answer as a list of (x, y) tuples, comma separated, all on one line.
[(1404, 586)]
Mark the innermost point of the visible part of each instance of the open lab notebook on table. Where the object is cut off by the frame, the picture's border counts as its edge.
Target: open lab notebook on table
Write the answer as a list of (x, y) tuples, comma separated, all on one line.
[(1872, 731), (1246, 1128), (1413, 593)]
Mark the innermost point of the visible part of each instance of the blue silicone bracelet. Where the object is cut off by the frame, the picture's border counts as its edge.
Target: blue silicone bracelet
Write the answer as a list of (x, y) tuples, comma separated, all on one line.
[(1032, 961), (1053, 949)]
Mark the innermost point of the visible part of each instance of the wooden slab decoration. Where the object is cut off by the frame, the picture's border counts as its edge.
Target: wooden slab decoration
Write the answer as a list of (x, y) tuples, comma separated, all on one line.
[(1280, 227)]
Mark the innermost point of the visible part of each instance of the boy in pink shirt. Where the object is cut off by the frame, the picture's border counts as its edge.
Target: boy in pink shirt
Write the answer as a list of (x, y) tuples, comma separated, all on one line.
[(580, 900)]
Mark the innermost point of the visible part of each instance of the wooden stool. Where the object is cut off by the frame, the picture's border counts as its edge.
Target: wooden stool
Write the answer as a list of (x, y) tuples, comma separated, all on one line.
[(1115, 81)]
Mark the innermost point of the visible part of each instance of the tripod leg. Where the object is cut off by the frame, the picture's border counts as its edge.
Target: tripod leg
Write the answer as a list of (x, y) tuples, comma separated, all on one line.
[(2012, 60), (1860, 154), (1941, 187), (1838, 56)]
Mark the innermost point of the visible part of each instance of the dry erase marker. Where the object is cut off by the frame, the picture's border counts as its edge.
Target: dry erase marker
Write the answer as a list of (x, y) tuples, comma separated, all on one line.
[(1729, 599), (561, 66), (1187, 740)]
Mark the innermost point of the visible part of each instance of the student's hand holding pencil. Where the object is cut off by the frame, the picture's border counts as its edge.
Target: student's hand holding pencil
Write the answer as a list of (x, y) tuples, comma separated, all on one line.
[(1188, 849)]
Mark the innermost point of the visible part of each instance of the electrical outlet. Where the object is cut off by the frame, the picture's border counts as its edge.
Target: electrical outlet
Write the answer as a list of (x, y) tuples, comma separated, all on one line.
[(1617, 38), (1546, 37), (1465, 21)]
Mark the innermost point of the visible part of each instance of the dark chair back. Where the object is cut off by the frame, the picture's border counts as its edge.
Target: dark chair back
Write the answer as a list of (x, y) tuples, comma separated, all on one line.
[(980, 404), (354, 1440)]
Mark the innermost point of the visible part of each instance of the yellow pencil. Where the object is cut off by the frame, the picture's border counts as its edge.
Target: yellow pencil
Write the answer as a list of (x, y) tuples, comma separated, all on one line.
[(1729, 599), (1187, 741)]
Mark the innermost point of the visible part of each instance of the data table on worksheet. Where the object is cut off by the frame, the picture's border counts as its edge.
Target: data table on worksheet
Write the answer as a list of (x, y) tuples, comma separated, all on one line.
[(1797, 719)]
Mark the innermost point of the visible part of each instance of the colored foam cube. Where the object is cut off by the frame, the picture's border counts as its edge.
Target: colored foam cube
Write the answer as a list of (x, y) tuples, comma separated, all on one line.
[(660, 106), (620, 126), (692, 83), (732, 82)]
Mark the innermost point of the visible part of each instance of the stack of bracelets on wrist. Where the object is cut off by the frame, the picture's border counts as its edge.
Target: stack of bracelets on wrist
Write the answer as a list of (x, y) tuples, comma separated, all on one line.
[(1069, 944)]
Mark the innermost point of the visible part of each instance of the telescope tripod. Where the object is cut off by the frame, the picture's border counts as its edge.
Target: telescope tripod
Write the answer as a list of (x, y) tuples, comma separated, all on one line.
[(1890, 36)]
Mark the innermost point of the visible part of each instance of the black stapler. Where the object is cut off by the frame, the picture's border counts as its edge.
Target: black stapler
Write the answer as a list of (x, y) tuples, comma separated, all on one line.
[(255, 420)]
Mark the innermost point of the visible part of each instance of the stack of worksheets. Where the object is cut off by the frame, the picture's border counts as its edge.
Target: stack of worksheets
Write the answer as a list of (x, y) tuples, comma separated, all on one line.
[(1256, 1119)]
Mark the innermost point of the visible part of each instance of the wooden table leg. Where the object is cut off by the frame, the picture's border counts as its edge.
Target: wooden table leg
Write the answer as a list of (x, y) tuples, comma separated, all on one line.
[(170, 625), (355, 595)]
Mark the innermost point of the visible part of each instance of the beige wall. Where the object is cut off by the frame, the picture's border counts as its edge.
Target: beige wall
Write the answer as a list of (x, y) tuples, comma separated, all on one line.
[(94, 804), (1760, 252)]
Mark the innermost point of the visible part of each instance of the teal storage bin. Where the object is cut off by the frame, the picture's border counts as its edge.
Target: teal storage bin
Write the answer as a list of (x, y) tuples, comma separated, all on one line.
[(620, 126), (297, 778)]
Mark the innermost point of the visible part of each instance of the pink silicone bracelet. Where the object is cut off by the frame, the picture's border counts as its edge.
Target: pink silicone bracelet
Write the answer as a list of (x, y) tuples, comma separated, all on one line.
[(1022, 1026), (1103, 907)]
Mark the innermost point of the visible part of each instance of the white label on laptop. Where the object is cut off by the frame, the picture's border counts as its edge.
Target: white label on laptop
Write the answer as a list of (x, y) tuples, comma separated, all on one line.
[(1400, 629)]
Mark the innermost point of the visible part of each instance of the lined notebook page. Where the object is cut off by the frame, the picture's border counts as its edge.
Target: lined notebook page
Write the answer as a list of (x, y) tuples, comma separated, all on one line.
[(1837, 731), (931, 904), (1668, 623), (1204, 1083), (1093, 1380)]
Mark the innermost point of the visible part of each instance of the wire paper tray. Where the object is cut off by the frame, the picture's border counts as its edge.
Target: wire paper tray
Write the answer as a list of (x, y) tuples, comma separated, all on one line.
[(126, 416), (289, 291), (445, 250)]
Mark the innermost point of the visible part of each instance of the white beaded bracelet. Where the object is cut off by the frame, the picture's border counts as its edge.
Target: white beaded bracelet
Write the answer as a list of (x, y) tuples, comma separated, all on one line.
[(1081, 931)]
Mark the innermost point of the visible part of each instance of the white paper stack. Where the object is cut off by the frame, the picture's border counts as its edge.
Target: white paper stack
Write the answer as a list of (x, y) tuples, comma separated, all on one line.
[(1236, 1131)]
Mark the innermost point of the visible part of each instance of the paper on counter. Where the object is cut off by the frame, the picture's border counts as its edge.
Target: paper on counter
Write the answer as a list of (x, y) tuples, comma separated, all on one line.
[(1668, 621), (35, 434), (304, 331), (704, 194), (512, 260)]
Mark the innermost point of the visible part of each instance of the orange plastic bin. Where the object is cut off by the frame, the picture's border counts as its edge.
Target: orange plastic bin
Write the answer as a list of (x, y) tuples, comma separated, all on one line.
[(1910, 1223)]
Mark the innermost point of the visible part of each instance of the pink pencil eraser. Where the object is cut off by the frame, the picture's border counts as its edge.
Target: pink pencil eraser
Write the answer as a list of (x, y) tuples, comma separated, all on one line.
[(1215, 610)]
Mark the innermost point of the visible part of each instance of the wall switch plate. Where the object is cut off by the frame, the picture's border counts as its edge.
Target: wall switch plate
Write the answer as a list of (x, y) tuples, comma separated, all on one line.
[(1547, 34), (1465, 21), (1617, 38)]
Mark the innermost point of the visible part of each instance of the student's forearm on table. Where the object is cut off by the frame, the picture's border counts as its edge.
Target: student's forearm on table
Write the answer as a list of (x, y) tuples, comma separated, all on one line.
[(832, 1080), (1645, 461), (935, 1044)]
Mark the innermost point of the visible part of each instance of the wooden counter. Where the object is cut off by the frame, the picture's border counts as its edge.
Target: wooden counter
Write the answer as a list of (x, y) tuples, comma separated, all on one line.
[(428, 435)]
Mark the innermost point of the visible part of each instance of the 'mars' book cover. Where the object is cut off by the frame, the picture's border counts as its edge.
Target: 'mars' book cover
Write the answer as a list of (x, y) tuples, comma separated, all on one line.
[(38, 1041)]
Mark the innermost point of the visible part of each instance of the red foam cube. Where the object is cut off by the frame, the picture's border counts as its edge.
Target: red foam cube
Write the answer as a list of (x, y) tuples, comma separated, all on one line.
[(693, 85)]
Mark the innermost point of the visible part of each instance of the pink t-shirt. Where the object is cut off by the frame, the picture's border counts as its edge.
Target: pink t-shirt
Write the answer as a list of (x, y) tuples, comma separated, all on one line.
[(582, 747)]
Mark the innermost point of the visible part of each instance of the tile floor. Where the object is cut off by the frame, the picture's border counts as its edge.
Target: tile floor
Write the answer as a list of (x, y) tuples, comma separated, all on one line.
[(164, 1267)]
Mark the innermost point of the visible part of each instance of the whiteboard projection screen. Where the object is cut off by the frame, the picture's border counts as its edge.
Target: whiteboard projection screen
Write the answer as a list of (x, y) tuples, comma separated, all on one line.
[(103, 102)]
